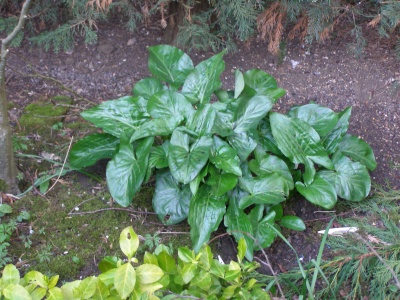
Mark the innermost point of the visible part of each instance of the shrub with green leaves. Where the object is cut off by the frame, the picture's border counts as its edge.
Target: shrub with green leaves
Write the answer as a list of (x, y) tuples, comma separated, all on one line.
[(220, 154), (159, 277)]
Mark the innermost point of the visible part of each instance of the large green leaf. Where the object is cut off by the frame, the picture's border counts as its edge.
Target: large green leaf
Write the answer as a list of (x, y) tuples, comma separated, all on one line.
[(169, 64), (204, 80), (159, 156), (155, 127), (126, 171), (186, 159), (269, 189), (90, 149), (243, 143), (125, 280), (224, 157), (202, 121), (10, 275), (299, 142), (238, 223), (147, 87), (358, 150), (263, 83), (223, 123), (251, 108), (264, 233), (332, 139), (220, 182), (205, 215), (350, 179), (117, 117), (169, 104), (266, 139), (320, 192), (272, 164), (293, 223), (322, 119), (171, 199)]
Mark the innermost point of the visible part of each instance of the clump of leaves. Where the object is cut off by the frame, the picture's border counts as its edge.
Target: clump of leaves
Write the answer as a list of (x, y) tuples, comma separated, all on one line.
[(231, 158), (159, 277)]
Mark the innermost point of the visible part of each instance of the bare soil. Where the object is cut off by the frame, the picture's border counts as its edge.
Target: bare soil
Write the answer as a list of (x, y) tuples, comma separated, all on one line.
[(327, 74)]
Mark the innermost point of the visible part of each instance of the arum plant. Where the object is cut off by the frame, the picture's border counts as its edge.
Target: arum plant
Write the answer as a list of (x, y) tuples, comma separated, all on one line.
[(220, 154)]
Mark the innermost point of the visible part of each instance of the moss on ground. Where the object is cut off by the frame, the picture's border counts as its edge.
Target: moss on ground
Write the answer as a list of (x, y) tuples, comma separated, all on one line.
[(79, 242), (42, 115)]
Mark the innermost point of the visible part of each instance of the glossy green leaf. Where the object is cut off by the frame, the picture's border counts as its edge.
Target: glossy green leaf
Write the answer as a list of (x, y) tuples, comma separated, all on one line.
[(108, 277), (239, 83), (40, 293), (206, 257), (269, 189), (186, 158), (322, 119), (126, 171), (293, 223), (157, 127), (125, 280), (188, 272), (224, 157), (195, 183), (350, 179), (10, 275), (358, 150), (169, 104), (117, 117), (223, 123), (108, 263), (146, 273), (147, 87), (159, 156), (299, 142), (238, 223), (205, 214), (204, 80), (87, 151), (278, 209), (221, 182), (265, 235), (169, 64), (266, 139), (243, 143), (332, 139), (128, 242), (260, 81), (202, 121), (270, 164), (320, 192), (166, 262), (251, 108), (15, 292), (171, 199), (186, 255)]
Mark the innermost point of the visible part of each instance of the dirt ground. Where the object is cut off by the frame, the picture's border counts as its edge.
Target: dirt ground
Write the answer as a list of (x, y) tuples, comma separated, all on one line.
[(327, 74)]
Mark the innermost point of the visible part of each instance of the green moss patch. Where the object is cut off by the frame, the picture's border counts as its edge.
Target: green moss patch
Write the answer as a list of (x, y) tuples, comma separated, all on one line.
[(44, 114)]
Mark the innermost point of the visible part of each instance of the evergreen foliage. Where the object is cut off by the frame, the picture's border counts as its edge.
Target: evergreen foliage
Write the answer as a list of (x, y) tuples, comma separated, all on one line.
[(209, 24), (365, 263)]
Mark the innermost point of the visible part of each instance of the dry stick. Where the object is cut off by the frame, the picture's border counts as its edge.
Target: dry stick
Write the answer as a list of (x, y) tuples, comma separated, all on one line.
[(37, 74), (62, 168)]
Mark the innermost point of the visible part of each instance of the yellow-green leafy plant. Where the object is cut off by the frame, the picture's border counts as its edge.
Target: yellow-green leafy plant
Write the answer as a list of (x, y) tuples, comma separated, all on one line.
[(160, 276)]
